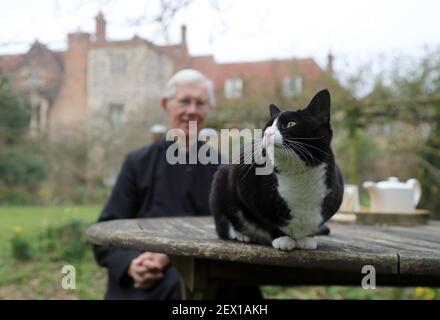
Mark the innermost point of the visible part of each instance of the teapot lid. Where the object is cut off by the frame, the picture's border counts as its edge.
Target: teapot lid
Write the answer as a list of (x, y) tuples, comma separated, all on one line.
[(393, 183)]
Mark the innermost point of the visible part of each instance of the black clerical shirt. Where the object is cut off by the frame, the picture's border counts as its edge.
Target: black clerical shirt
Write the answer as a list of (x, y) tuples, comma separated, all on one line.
[(148, 186)]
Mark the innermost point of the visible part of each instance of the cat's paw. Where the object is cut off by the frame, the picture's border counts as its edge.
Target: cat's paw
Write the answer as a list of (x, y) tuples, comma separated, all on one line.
[(307, 243), (232, 233), (284, 243), (242, 237)]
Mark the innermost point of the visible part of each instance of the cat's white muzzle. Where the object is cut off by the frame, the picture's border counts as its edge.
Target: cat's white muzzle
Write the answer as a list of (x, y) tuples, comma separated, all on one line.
[(272, 137)]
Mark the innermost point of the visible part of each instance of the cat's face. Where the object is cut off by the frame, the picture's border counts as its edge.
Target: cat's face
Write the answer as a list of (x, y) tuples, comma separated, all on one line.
[(305, 133)]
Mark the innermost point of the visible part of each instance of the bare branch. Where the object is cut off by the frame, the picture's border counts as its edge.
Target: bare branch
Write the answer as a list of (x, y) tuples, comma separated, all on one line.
[(162, 17)]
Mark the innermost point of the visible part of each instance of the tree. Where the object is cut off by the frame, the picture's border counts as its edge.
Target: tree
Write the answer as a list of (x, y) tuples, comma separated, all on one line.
[(20, 166), (14, 114)]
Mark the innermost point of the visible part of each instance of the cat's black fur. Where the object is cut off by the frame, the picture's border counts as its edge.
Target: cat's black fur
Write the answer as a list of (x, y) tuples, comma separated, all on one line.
[(252, 204)]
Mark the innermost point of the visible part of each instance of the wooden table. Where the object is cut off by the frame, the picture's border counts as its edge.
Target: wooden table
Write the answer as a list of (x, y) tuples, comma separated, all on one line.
[(401, 256)]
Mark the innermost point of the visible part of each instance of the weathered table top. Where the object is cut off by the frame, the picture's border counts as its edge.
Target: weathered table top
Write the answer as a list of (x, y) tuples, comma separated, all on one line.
[(391, 250)]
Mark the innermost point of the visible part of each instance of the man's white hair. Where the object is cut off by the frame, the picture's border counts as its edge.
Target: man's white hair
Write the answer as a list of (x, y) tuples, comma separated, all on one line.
[(188, 76)]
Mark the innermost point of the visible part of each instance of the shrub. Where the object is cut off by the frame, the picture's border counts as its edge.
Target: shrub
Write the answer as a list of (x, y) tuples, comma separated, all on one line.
[(21, 249), (15, 195), (66, 242), (21, 166)]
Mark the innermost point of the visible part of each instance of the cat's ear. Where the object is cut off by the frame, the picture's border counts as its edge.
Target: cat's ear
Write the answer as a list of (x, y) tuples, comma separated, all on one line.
[(274, 110), (320, 106)]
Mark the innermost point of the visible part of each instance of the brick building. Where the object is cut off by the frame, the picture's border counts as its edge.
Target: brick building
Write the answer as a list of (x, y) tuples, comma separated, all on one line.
[(97, 81)]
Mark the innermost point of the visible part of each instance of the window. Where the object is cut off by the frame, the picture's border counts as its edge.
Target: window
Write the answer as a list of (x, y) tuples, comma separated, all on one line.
[(33, 76), (292, 86), (117, 116), (35, 117), (118, 63), (233, 88)]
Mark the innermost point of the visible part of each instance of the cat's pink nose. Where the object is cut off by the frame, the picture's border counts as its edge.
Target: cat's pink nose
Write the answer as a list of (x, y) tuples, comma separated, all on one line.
[(269, 132)]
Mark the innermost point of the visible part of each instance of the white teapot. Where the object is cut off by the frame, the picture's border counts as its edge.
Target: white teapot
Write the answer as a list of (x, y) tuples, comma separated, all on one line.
[(392, 196)]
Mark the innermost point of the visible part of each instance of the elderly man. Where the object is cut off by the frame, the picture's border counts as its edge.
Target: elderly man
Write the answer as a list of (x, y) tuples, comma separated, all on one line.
[(149, 186)]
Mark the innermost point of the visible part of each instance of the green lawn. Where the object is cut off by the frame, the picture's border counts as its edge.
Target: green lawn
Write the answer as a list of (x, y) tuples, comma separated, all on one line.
[(33, 220), (40, 277)]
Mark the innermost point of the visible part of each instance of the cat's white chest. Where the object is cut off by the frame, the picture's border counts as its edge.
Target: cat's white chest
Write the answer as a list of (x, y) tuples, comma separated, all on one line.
[(304, 194)]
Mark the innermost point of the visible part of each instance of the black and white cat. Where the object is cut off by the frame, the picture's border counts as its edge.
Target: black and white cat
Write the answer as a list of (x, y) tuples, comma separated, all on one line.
[(287, 207)]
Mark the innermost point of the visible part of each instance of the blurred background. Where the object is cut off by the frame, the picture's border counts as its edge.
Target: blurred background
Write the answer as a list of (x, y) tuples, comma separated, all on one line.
[(80, 83)]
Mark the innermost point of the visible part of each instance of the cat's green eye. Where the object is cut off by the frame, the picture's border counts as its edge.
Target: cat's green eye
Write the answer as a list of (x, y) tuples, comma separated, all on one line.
[(290, 124)]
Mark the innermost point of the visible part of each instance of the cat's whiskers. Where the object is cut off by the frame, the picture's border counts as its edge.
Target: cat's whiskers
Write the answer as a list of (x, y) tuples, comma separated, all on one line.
[(238, 156), (315, 138), (295, 149), (306, 144), (250, 154), (290, 148), (304, 151), (308, 156), (292, 155), (249, 169), (249, 151), (303, 146), (316, 148)]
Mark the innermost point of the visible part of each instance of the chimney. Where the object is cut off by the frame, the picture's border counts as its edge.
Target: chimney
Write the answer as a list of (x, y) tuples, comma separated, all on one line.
[(183, 34), (100, 28), (77, 40), (330, 59)]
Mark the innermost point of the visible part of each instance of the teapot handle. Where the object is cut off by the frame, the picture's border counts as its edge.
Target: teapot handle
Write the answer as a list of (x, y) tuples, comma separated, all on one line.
[(417, 190)]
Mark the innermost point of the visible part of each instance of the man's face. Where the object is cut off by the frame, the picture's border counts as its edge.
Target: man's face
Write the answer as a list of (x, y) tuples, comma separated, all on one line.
[(189, 104)]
